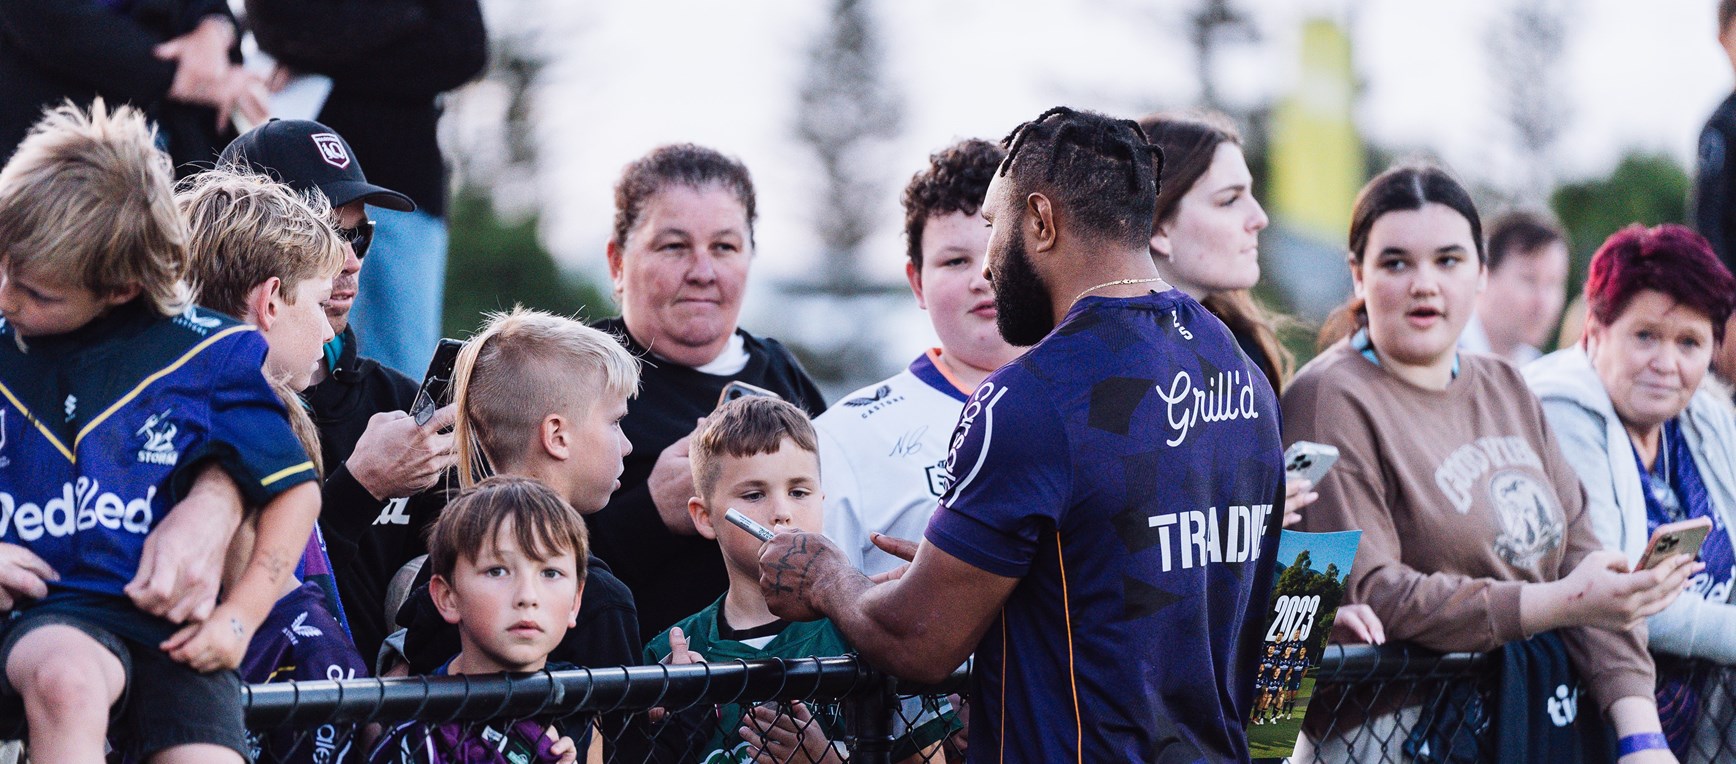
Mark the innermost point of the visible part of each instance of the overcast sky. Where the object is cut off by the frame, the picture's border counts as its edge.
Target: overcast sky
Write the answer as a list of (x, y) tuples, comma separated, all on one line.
[(628, 76)]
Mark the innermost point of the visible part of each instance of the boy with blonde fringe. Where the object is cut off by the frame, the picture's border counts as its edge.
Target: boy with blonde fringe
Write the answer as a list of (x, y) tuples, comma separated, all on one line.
[(267, 256), (114, 393)]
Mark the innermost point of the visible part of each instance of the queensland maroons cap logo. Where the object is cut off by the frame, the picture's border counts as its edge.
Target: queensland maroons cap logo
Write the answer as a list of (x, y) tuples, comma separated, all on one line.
[(331, 149)]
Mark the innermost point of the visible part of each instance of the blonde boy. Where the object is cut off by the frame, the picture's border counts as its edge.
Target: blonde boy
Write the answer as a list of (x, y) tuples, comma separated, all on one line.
[(113, 394), (759, 456), (542, 396), (267, 256), (259, 251)]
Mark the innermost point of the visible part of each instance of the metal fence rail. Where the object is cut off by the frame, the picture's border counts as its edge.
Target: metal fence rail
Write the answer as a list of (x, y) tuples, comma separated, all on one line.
[(328, 720), (1399, 703), (1368, 704)]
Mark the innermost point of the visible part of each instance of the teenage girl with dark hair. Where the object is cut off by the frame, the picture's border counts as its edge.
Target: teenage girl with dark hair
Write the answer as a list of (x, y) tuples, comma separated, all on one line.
[(1474, 530)]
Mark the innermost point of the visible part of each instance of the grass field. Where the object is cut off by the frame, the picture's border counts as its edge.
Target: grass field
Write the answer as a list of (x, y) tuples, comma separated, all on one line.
[(1270, 741)]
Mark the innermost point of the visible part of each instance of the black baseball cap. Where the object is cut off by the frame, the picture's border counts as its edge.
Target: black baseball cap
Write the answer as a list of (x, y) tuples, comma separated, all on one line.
[(310, 156)]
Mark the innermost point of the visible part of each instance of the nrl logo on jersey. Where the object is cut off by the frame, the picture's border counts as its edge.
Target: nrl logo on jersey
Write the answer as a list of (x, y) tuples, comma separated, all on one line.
[(4, 462), (159, 440)]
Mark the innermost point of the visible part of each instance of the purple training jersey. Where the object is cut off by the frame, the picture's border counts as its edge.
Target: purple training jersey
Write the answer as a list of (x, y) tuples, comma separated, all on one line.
[(1126, 469)]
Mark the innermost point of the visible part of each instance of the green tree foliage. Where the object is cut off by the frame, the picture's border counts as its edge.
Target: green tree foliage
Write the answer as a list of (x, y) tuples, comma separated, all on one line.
[(493, 264), (1300, 579), (1644, 188)]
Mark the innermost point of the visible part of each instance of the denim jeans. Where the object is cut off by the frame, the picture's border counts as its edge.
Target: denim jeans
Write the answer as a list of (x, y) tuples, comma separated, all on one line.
[(403, 282)]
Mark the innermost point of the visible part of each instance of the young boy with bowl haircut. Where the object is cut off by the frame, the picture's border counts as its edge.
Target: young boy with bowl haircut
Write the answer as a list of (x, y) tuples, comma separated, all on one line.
[(508, 558), (758, 455)]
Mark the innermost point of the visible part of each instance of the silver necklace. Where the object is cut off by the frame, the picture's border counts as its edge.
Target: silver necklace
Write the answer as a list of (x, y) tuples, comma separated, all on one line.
[(1117, 282)]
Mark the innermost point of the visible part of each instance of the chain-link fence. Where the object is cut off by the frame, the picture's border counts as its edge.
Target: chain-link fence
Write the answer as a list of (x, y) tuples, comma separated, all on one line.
[(1403, 704), (803, 711), (1368, 704)]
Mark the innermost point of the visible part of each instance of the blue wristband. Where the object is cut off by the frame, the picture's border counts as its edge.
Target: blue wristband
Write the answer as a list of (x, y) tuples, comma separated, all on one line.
[(1643, 741)]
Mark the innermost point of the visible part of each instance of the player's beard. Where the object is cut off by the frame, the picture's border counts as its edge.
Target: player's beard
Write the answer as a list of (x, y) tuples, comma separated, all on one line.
[(1022, 303)]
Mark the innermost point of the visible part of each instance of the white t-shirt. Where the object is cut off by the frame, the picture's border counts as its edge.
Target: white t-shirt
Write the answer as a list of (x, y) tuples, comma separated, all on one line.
[(882, 451)]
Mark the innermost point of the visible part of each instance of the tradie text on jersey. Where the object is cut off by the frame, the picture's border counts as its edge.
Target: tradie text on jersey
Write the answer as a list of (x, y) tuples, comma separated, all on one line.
[(1200, 541)]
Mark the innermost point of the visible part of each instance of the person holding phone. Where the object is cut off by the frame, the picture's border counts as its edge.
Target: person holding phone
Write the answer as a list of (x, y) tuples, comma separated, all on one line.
[(1652, 437), (1474, 530)]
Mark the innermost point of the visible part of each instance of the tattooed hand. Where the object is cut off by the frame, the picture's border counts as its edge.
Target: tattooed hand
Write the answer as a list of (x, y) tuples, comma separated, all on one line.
[(795, 571)]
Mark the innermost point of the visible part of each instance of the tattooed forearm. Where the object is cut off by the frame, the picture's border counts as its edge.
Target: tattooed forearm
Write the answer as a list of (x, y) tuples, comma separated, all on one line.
[(275, 563)]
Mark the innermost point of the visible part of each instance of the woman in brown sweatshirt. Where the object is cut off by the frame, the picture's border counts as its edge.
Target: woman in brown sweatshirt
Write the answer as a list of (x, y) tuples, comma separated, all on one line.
[(1474, 531)]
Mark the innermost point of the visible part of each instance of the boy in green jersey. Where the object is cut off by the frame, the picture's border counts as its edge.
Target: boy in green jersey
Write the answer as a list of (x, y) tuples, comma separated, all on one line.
[(758, 455)]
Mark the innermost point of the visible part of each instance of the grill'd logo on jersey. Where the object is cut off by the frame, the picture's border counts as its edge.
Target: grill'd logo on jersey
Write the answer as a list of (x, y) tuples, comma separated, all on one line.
[(1225, 397), (331, 149), (159, 440), (75, 510)]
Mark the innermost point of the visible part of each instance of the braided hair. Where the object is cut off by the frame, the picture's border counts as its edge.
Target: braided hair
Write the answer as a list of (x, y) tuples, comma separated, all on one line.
[(1102, 170)]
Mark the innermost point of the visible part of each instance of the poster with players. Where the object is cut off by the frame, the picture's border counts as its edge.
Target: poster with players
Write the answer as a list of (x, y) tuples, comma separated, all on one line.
[(1311, 574)]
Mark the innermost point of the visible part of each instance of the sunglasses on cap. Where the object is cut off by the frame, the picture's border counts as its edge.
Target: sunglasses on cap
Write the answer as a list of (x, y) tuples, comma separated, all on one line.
[(359, 237)]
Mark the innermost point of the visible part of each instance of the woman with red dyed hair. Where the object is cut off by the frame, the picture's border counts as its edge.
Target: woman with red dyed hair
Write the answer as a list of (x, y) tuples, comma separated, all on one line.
[(1654, 442)]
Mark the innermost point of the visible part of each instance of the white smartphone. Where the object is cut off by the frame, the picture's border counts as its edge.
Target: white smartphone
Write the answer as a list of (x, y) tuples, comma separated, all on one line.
[(1309, 461), (747, 524)]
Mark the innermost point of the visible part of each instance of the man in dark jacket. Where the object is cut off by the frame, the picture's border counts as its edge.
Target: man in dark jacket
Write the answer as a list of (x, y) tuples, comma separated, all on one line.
[(173, 59), (1715, 184), (389, 61), (378, 458)]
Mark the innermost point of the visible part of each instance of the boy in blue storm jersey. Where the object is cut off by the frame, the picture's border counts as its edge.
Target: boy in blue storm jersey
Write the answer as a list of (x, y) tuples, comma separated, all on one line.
[(1107, 542), (267, 255), (114, 393)]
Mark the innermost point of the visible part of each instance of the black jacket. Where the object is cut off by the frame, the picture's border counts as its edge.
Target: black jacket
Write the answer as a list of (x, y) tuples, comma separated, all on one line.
[(367, 539), (672, 576), (52, 50), (1715, 183), (389, 60), (607, 633)]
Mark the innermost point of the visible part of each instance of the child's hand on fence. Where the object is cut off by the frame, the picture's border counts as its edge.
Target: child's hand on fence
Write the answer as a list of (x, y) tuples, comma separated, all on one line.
[(679, 655), (679, 652), (781, 734), (218, 642), (564, 747)]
